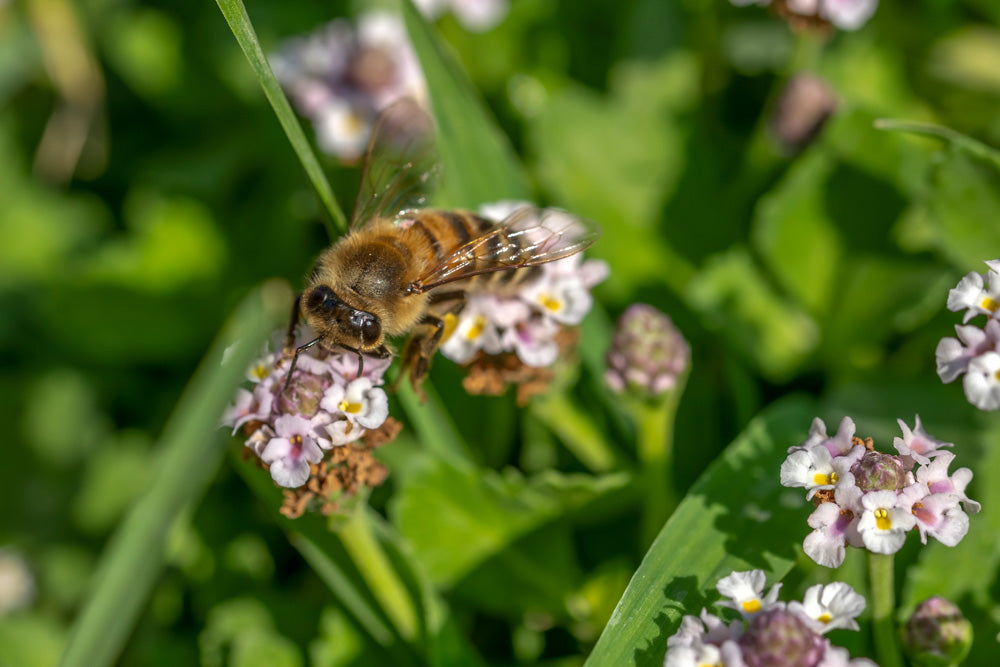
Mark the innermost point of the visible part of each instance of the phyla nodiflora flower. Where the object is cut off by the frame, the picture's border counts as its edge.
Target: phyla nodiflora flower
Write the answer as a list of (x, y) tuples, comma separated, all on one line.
[(315, 435), (512, 337), (865, 498), (975, 353), (770, 633)]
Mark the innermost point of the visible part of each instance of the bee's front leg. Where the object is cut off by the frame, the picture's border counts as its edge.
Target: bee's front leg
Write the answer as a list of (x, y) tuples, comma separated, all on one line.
[(293, 324)]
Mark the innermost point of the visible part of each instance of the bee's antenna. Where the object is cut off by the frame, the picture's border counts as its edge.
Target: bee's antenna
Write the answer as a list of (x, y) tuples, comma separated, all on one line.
[(295, 358)]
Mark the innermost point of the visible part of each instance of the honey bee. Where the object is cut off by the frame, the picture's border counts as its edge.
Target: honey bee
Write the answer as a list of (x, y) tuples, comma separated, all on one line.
[(402, 269)]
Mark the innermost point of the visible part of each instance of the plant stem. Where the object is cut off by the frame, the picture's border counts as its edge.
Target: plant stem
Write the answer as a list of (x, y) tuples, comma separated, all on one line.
[(880, 571), (378, 573), (655, 431), (967, 144)]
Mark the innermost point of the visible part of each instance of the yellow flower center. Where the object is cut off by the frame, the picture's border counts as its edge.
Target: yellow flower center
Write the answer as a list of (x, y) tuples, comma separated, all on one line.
[(989, 304), (476, 330), (260, 371), (350, 408), (450, 322), (549, 302), (819, 479), (824, 618), (882, 520), (997, 375), (296, 440), (750, 606)]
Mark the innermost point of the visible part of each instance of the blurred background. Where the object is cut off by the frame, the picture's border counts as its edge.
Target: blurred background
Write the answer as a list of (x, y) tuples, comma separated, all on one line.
[(146, 186)]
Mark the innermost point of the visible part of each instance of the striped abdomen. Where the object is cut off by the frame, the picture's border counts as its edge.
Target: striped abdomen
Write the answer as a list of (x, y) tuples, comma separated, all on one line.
[(490, 263)]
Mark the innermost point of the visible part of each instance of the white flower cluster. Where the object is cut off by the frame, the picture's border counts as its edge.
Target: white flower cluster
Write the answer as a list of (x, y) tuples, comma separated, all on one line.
[(771, 632), (340, 77), (326, 405), (474, 15), (842, 14), (526, 323), (871, 499), (976, 351)]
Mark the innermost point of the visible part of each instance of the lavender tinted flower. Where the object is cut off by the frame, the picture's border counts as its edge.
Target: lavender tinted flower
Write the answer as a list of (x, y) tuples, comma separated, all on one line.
[(772, 633), (872, 499), (342, 75), (647, 353), (313, 428), (525, 326), (975, 353), (937, 635)]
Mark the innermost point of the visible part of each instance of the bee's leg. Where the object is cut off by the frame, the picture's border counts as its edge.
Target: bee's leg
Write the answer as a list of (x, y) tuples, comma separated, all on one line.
[(293, 323), (295, 358)]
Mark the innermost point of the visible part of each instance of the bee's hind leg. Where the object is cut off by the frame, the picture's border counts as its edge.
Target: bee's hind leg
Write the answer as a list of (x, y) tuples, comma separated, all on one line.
[(425, 341)]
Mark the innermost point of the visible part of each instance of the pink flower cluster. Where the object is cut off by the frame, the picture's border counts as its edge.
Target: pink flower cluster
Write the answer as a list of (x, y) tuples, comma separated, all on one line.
[(340, 77), (770, 632), (526, 323), (842, 14), (976, 351), (326, 405), (870, 499)]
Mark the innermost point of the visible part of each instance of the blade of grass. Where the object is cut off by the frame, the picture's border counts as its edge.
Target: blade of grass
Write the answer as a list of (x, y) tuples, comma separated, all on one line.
[(236, 16), (732, 519), (954, 138), (191, 450), (479, 164)]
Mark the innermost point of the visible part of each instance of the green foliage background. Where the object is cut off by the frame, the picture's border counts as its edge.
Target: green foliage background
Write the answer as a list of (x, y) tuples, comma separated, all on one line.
[(808, 284)]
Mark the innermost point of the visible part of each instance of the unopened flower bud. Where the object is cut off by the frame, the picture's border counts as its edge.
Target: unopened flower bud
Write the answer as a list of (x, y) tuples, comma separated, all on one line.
[(877, 471), (647, 352), (780, 638), (937, 635), (804, 106)]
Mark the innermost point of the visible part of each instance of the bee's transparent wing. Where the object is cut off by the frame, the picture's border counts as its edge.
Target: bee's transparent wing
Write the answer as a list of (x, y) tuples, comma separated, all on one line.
[(527, 237), (401, 164)]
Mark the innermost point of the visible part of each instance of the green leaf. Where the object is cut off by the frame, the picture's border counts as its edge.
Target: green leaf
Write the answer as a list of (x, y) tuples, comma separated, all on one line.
[(795, 235), (736, 517), (457, 518), (479, 164), (337, 560), (190, 453), (962, 201), (735, 298), (629, 144), (236, 16)]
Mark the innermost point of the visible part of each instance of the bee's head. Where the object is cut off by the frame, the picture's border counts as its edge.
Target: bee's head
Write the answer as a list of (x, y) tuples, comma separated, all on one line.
[(339, 323)]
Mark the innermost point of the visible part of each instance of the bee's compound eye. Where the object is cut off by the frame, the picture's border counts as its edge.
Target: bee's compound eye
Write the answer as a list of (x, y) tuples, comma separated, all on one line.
[(368, 326), (321, 298)]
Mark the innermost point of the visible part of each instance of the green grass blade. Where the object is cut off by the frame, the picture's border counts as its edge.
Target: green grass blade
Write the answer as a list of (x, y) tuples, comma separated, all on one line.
[(479, 163), (732, 519), (239, 22), (191, 449), (954, 138)]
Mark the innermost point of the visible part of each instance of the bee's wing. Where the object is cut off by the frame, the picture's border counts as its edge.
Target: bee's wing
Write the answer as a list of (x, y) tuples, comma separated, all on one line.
[(401, 165), (527, 237)]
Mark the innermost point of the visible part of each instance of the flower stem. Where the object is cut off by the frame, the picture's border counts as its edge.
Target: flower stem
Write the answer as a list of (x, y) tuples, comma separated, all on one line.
[(880, 571), (369, 557), (655, 431)]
